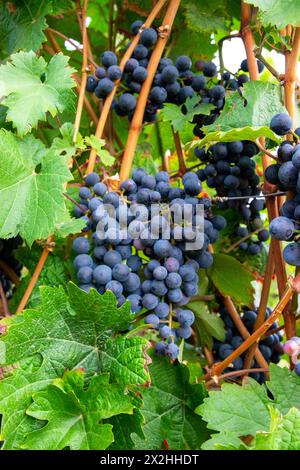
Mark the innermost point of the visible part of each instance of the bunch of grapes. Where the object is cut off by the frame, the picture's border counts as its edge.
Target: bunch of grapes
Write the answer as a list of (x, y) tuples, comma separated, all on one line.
[(230, 169), (174, 81), (269, 346), (214, 93), (292, 348), (7, 248), (285, 175), (141, 253)]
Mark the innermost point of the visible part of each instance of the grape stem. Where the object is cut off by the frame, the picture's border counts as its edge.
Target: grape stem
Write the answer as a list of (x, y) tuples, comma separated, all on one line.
[(47, 249), (235, 373), (4, 301), (74, 202), (241, 240), (265, 151), (242, 330), (261, 315), (78, 48), (292, 287), (258, 55), (179, 151), (137, 120), (110, 97), (9, 272), (220, 51)]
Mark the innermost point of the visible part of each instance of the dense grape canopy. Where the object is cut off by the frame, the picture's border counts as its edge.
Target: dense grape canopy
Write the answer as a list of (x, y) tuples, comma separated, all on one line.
[(149, 227)]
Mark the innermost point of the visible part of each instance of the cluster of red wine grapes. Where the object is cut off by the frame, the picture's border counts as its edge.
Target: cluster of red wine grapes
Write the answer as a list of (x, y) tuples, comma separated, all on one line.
[(150, 266), (270, 346), (292, 348), (215, 93), (285, 175), (230, 169), (174, 81), (7, 256)]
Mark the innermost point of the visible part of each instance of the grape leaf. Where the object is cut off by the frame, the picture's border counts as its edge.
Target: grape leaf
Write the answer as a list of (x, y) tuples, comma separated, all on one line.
[(74, 415), (31, 88), (68, 331), (224, 441), (246, 117), (73, 336), (204, 16), (15, 397), (241, 410), (245, 410), (54, 273), (125, 359), (64, 143), (284, 433), (106, 158), (208, 325), (278, 13), (31, 188), (173, 113), (168, 410), (223, 275), (285, 388)]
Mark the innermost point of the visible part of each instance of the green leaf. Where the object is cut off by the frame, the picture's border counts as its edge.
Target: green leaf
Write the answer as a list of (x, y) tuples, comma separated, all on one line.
[(74, 415), (173, 113), (125, 359), (278, 12), (284, 433), (31, 188), (68, 331), (247, 117), (223, 275), (202, 16), (54, 273), (285, 387), (124, 426), (224, 441), (31, 88), (21, 27), (106, 158), (143, 158), (168, 410), (62, 330), (15, 397), (208, 325), (64, 144), (240, 410), (249, 410)]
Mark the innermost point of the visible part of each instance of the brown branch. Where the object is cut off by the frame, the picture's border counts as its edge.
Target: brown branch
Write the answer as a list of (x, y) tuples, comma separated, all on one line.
[(4, 301), (35, 276), (78, 48), (291, 63), (263, 302), (258, 55), (9, 272), (218, 368), (241, 240), (179, 151), (235, 373), (242, 330), (136, 124), (74, 202), (208, 355), (265, 151), (84, 75), (110, 97)]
